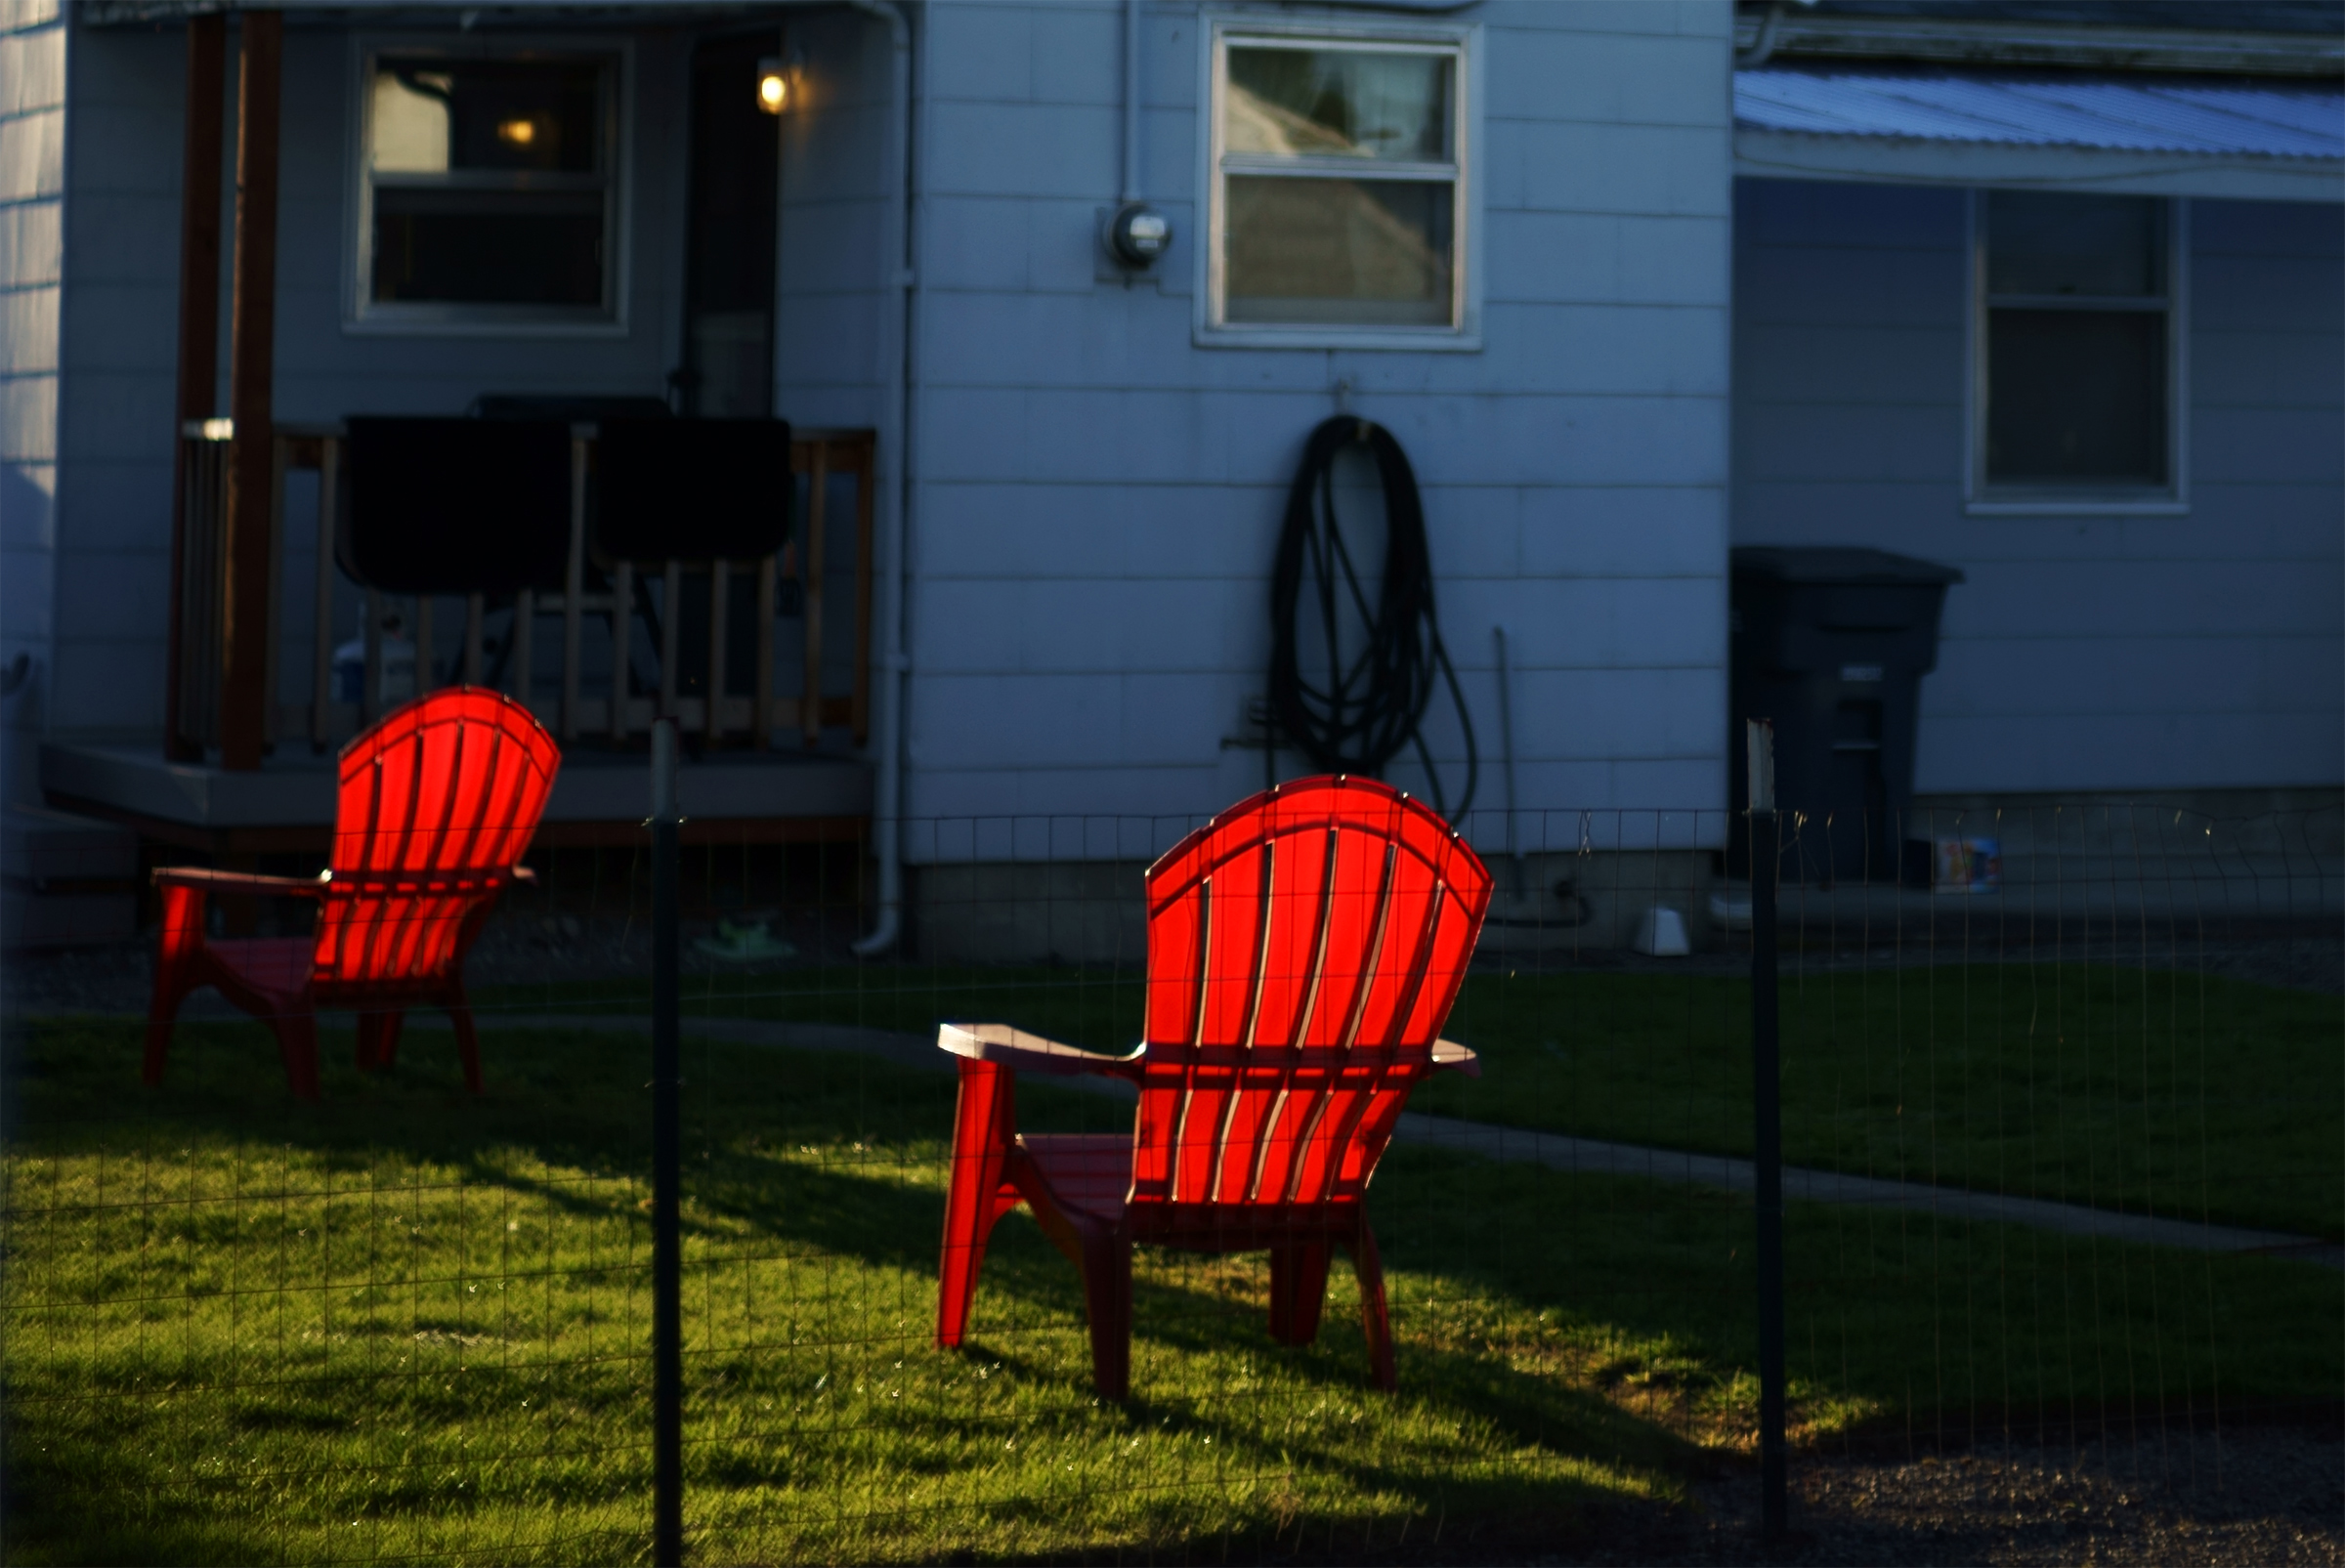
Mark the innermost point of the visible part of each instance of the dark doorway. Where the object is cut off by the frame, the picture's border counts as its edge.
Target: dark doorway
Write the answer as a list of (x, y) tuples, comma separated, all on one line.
[(728, 369)]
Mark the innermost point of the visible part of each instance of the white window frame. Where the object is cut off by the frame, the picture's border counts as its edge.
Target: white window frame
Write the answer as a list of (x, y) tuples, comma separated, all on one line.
[(362, 316), (2171, 500), (1463, 44)]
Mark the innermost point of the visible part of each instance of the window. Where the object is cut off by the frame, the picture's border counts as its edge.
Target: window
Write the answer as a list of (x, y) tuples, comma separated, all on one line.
[(1339, 200), (2078, 353), (489, 191)]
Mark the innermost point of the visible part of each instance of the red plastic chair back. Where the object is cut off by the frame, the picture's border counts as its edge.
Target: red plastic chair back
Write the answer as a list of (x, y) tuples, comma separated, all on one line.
[(438, 804), (1303, 951)]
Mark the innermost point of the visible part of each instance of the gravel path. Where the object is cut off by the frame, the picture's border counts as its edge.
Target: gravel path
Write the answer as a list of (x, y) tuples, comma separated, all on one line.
[(2237, 1495), (2245, 1494)]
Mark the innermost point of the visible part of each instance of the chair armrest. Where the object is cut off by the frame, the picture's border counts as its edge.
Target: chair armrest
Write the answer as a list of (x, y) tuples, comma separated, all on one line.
[(199, 877), (1451, 1057), (1015, 1048)]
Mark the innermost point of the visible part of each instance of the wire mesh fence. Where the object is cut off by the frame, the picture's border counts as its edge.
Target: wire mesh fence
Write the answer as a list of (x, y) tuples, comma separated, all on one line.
[(2061, 1123)]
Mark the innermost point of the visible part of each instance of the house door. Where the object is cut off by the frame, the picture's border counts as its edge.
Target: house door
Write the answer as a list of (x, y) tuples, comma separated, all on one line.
[(728, 369)]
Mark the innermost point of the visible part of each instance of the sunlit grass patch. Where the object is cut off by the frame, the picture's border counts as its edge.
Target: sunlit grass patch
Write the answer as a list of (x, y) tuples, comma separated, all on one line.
[(406, 1324)]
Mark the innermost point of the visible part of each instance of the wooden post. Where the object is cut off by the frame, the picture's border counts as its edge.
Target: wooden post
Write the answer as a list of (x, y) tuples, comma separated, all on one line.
[(712, 722), (574, 588), (522, 672), (671, 610), (279, 459), (370, 691), (199, 329), (475, 609), (865, 468), (622, 644), (321, 642), (761, 705), (425, 633), (811, 567), (252, 345)]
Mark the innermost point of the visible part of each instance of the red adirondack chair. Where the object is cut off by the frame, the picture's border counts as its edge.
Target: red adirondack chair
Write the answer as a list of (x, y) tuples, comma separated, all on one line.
[(1304, 950), (438, 803)]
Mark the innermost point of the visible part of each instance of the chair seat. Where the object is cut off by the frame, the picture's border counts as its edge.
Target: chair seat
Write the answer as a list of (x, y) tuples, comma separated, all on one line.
[(281, 967), (1092, 1172), (274, 966), (1089, 1171)]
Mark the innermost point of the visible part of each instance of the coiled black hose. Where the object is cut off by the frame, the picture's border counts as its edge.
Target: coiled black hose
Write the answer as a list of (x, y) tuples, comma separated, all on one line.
[(1374, 704)]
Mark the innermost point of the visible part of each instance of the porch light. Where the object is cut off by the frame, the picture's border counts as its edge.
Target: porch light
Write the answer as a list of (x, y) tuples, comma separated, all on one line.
[(518, 132), (773, 84)]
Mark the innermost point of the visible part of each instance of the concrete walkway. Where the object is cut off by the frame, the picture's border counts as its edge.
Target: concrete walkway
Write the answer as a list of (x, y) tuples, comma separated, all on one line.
[(1587, 1155), (1555, 1151)]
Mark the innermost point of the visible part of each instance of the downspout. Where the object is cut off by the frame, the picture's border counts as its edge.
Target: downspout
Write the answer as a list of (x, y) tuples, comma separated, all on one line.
[(1763, 48), (1132, 103), (894, 495)]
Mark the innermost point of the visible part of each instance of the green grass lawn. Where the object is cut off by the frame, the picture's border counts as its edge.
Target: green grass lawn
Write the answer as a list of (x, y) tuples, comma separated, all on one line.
[(407, 1324), (2190, 1096)]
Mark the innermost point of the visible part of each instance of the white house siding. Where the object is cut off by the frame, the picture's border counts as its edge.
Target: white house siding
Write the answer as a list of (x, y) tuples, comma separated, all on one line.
[(1096, 499), (113, 500), (32, 167), (2126, 653), (830, 274)]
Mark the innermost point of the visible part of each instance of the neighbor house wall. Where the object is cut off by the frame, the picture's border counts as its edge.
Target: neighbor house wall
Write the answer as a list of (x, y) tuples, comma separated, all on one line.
[(120, 306), (1096, 498), (32, 168), (2102, 653)]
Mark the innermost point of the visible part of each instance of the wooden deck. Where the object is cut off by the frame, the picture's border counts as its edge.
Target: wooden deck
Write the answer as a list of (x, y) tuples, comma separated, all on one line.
[(287, 804)]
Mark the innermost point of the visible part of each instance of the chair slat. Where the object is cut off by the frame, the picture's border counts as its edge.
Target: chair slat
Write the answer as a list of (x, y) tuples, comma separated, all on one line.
[(1222, 1157)]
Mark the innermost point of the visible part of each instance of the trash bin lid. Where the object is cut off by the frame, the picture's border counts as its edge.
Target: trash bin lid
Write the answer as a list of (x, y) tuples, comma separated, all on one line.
[(1835, 563)]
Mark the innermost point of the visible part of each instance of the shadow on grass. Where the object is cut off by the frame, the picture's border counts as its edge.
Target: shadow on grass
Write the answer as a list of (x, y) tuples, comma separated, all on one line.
[(2169, 1091)]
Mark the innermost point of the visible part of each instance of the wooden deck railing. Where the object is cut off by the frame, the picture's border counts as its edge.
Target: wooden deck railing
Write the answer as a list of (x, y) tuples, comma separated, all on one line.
[(583, 709)]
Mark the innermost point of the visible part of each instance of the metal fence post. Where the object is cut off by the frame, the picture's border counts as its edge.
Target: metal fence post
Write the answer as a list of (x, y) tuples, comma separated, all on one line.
[(667, 1349), (1767, 1112)]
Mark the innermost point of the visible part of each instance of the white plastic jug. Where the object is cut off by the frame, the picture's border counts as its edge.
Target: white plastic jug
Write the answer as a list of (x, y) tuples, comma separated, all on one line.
[(1661, 933)]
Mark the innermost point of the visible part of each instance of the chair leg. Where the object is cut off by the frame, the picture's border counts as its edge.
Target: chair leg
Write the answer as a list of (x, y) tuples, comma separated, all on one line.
[(468, 1042), (175, 970), (378, 1038), (973, 1198), (297, 1044), (1107, 1301), (1374, 1318), (1297, 1291)]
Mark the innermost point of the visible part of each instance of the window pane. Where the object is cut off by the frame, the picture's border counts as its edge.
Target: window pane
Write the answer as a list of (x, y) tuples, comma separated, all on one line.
[(1353, 252), (1339, 104), (2046, 243), (2077, 397), (432, 117), (465, 247)]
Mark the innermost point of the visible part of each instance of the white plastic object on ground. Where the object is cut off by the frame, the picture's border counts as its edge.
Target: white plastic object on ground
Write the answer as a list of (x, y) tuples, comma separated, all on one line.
[(1661, 934)]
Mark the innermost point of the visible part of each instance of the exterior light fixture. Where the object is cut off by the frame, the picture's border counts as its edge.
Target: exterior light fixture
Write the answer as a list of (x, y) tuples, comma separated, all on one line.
[(519, 132), (1137, 234), (773, 84)]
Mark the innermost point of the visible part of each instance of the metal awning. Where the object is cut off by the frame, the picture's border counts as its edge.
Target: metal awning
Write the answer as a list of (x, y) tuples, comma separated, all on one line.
[(2258, 140)]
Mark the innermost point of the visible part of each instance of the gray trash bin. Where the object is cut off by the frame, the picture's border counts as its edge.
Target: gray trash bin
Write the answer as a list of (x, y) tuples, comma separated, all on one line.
[(1831, 643)]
